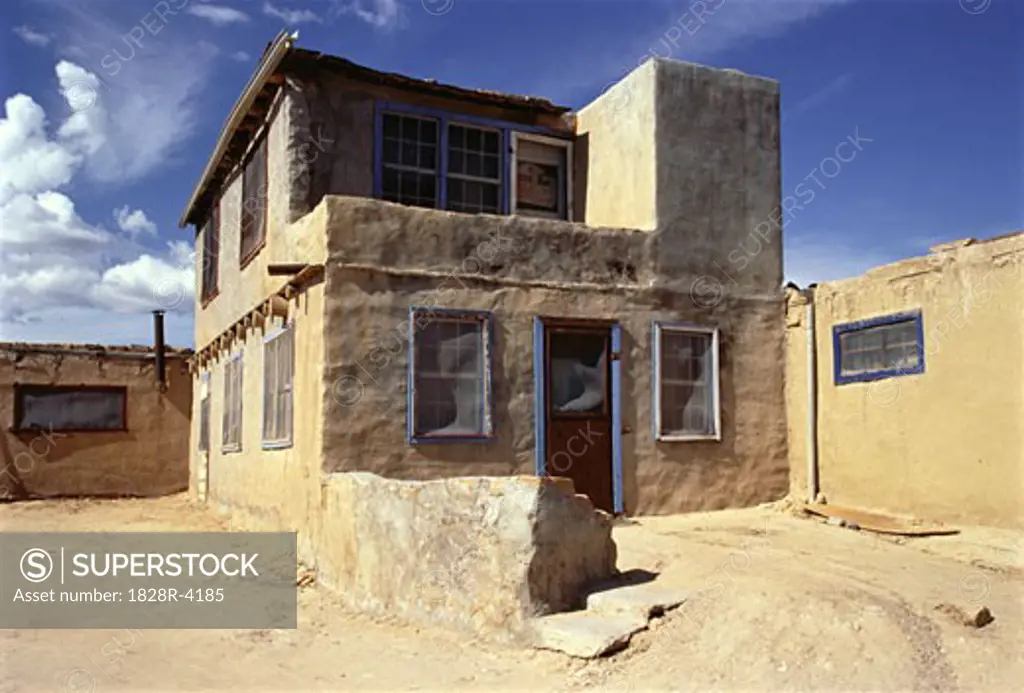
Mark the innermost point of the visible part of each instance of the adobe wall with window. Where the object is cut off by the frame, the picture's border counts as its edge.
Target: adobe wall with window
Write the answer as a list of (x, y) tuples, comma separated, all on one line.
[(262, 450), (82, 420), (920, 386), (386, 259)]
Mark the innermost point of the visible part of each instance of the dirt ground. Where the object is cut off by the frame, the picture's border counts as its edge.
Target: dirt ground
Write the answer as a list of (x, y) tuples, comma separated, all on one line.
[(781, 603)]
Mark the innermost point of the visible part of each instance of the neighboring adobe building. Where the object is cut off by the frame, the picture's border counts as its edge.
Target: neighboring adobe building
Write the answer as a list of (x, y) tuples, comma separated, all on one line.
[(917, 407), (89, 420), (560, 274)]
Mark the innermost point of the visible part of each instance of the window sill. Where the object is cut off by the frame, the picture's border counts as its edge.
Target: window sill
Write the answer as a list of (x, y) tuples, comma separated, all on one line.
[(207, 300), (277, 445), (252, 254), (230, 449), (444, 440), (879, 375), (713, 438)]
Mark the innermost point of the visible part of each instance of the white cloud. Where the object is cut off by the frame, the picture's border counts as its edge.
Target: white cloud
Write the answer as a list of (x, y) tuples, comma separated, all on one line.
[(241, 56), (147, 283), (32, 37), (31, 162), (218, 15), (382, 14), (290, 16), (51, 259), (134, 222)]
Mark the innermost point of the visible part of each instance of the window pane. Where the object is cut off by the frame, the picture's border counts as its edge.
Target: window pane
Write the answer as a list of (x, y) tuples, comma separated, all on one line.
[(541, 179), (578, 371), (70, 408), (449, 377), (892, 346), (687, 383)]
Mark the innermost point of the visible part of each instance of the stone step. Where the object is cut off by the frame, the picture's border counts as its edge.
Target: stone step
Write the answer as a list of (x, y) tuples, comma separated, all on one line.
[(584, 634), (640, 601)]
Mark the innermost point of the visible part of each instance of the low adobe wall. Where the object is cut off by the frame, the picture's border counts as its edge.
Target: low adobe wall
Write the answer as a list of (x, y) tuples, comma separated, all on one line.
[(150, 458), (475, 553), (944, 444)]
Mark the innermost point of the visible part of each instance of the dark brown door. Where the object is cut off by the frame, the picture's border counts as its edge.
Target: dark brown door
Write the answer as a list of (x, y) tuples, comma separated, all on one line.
[(578, 407)]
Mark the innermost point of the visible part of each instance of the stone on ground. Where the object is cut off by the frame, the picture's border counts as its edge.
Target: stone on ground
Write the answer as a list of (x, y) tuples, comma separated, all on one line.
[(586, 635), (641, 601)]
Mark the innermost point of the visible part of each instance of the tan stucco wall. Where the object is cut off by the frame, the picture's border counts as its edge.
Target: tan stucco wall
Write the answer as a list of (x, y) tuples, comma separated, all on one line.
[(946, 444), (367, 313), (616, 155), (270, 489), (149, 459)]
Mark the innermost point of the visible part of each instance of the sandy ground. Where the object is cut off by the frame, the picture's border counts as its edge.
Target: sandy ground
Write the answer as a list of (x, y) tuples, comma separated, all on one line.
[(782, 603)]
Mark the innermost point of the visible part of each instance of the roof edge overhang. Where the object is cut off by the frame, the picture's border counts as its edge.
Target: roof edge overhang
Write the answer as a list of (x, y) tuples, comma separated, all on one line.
[(272, 58)]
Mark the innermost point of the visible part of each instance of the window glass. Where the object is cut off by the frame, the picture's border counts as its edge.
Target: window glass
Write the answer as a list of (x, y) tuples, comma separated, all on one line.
[(449, 378)]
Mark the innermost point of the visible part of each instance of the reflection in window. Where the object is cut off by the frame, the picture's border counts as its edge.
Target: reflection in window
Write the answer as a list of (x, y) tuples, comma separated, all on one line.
[(450, 374), (409, 160), (880, 348), (578, 371), (687, 382), (69, 408)]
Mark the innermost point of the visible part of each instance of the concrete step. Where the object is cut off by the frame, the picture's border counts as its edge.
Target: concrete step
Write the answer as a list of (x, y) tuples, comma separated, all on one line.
[(639, 601), (584, 634)]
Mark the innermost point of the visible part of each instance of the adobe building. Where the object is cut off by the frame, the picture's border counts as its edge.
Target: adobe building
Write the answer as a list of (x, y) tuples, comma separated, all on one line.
[(426, 281), (915, 401), (90, 420)]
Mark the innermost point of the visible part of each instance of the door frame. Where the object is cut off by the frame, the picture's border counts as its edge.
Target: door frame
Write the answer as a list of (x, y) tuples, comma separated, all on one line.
[(540, 325)]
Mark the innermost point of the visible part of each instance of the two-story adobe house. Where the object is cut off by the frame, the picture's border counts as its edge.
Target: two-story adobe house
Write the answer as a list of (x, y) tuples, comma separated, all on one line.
[(422, 280)]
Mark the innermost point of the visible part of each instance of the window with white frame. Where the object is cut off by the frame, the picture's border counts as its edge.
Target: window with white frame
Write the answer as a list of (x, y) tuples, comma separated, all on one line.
[(686, 397), (204, 412), (474, 169), (449, 375), (278, 374), (409, 160), (231, 422), (541, 177)]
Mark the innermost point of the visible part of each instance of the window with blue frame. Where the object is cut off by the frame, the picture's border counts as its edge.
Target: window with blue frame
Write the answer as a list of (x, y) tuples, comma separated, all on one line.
[(449, 375), (429, 158), (882, 347)]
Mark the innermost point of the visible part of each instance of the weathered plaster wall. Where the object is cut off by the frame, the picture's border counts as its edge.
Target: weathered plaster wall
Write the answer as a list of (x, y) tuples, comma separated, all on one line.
[(946, 444), (616, 155), (718, 178), (379, 264), (149, 459), (472, 553)]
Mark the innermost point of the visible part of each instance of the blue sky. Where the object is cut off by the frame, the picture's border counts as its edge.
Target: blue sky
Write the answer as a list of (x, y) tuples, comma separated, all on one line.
[(89, 199)]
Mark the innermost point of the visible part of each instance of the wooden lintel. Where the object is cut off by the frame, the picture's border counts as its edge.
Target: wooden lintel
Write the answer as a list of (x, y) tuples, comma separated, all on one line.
[(286, 269)]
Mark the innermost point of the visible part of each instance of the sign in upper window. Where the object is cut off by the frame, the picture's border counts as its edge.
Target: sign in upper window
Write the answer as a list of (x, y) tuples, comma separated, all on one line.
[(542, 176)]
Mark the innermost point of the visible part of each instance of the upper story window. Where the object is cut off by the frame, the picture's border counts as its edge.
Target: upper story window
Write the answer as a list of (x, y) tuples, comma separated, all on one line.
[(541, 187), (466, 164), (410, 160), (254, 203), (211, 249), (474, 169), (878, 348)]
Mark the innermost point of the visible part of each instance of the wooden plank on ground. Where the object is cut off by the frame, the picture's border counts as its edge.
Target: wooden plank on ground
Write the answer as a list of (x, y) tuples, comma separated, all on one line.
[(883, 524)]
